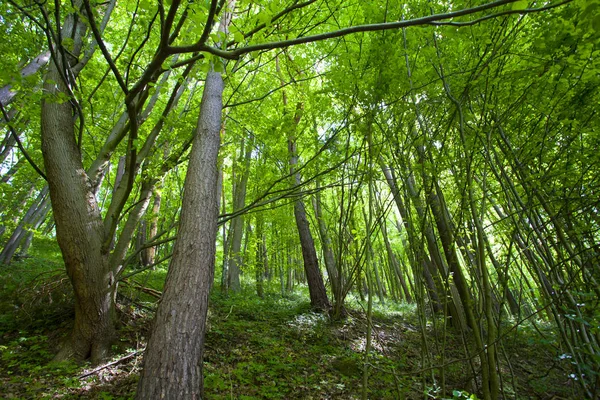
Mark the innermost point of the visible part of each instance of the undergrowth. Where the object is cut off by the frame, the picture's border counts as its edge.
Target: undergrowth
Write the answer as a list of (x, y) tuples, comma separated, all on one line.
[(269, 348)]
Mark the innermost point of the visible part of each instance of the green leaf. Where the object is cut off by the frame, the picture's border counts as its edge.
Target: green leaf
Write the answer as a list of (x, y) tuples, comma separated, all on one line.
[(520, 5), (265, 18), (204, 67), (238, 37), (68, 43)]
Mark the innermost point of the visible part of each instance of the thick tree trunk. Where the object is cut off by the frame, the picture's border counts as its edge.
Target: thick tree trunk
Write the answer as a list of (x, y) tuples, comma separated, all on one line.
[(173, 360), (79, 230)]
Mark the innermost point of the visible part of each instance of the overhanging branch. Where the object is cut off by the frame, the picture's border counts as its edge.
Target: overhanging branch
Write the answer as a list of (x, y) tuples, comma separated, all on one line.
[(428, 20)]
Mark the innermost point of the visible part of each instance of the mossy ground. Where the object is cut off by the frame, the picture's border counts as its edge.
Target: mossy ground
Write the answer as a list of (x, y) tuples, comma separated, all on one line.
[(270, 348)]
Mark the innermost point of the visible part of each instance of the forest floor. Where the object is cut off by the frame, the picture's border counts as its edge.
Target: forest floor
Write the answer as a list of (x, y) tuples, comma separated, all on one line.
[(270, 348)]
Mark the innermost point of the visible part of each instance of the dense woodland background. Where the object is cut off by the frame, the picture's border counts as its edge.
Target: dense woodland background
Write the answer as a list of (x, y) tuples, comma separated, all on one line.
[(377, 199)]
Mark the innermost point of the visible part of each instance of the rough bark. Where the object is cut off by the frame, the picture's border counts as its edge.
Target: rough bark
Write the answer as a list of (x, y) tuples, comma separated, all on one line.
[(79, 232), (79, 229), (173, 360)]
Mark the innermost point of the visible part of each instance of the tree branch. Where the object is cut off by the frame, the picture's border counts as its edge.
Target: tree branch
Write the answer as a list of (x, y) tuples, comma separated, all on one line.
[(12, 131), (234, 54), (102, 46), (507, 12)]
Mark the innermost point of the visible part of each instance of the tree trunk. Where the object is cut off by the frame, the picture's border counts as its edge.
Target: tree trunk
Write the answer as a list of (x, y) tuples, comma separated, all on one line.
[(173, 360), (7, 94), (135, 215), (153, 228), (37, 220), (20, 232), (79, 228), (394, 264), (260, 256), (328, 256), (237, 223), (316, 286)]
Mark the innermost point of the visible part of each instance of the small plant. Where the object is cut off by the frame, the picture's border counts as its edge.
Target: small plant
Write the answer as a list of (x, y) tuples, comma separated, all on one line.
[(463, 394)]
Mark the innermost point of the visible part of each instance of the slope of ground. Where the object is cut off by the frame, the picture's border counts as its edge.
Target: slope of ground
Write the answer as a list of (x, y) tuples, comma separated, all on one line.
[(271, 348)]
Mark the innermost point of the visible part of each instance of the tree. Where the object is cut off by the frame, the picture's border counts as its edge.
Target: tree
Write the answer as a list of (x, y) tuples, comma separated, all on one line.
[(445, 108)]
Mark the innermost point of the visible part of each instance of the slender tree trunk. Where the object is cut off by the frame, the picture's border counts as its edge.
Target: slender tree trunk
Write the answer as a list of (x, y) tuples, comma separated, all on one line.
[(20, 232), (135, 215), (260, 257), (394, 265), (316, 286), (328, 255), (237, 223), (38, 219), (153, 228), (7, 94), (173, 360), (12, 170)]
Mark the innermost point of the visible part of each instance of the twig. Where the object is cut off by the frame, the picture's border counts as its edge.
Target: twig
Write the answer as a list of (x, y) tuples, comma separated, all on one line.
[(149, 291), (128, 356), (20, 145), (230, 310)]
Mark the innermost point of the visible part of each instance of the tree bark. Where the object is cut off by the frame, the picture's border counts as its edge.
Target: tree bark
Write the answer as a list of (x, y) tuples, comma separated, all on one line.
[(7, 94), (79, 230), (173, 360), (237, 223), (316, 286), (328, 255), (20, 232), (150, 252)]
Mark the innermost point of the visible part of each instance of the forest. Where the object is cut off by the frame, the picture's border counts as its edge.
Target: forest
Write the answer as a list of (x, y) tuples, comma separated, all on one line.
[(299, 199)]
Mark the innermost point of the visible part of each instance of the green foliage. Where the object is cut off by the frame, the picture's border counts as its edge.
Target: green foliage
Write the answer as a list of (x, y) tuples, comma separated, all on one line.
[(498, 117), (267, 348), (461, 394), (35, 292)]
